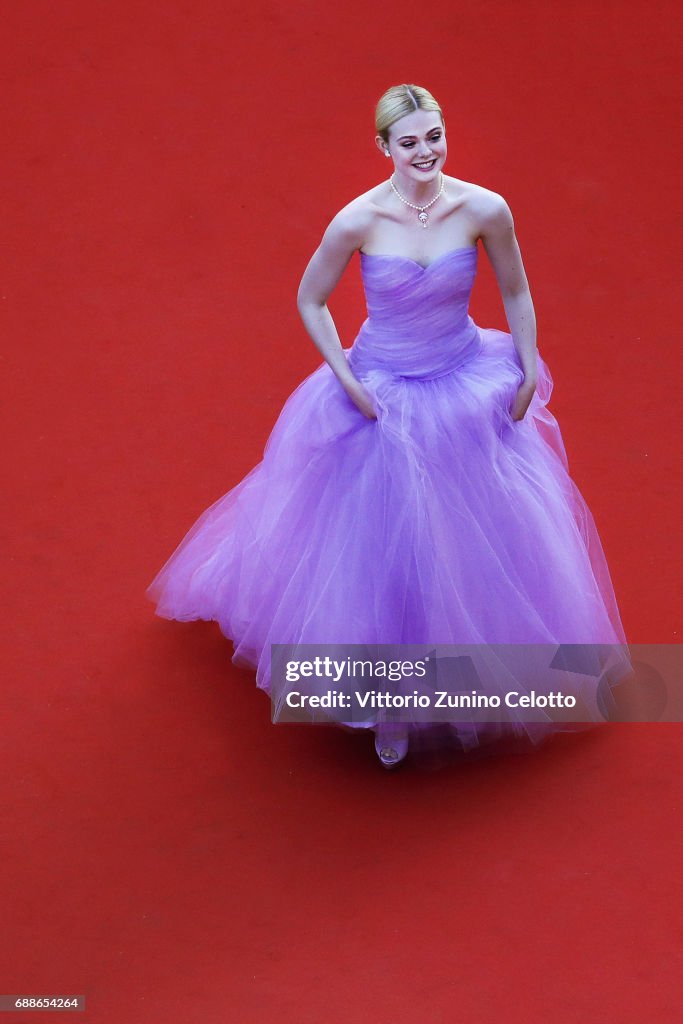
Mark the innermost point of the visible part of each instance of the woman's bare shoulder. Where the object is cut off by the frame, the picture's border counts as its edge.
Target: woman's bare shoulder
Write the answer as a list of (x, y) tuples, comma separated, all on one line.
[(354, 221), (483, 203)]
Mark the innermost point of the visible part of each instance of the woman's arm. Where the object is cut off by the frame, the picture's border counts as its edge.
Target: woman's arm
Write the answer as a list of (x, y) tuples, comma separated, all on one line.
[(497, 233), (342, 237)]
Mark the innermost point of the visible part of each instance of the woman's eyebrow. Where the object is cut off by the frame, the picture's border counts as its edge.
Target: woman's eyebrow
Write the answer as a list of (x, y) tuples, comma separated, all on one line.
[(435, 128)]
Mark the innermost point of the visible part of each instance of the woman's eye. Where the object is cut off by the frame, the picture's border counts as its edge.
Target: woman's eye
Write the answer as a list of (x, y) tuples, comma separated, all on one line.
[(409, 145)]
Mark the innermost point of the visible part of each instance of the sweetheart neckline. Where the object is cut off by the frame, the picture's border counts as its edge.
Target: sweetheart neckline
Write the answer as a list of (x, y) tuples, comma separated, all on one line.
[(409, 259)]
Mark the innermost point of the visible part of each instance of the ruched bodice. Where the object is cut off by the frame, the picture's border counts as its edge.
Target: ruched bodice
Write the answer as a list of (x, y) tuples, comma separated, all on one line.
[(418, 323)]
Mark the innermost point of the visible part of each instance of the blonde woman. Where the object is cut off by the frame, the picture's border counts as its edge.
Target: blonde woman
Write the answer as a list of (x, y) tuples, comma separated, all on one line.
[(415, 487)]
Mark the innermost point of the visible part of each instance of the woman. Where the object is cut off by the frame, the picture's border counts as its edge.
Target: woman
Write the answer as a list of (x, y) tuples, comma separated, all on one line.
[(414, 489)]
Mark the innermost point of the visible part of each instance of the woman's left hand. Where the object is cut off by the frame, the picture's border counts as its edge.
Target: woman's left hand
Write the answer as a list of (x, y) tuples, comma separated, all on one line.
[(525, 393)]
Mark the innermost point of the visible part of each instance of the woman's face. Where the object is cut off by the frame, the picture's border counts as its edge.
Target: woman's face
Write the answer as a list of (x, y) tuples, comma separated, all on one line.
[(417, 143)]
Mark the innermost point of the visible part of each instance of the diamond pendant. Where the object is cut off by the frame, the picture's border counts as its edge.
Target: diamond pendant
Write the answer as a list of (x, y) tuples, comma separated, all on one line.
[(422, 217)]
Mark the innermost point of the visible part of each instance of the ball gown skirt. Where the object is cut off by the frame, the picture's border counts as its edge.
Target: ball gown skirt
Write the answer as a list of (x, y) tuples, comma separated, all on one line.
[(443, 521)]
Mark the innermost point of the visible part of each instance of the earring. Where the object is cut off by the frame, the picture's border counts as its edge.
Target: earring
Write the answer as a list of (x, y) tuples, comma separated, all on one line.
[(387, 153)]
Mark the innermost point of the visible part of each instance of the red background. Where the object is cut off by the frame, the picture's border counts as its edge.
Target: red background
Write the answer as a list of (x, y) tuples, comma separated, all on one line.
[(167, 851)]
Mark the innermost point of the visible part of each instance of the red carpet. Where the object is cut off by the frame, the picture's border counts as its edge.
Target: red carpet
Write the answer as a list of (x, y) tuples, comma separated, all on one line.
[(167, 851)]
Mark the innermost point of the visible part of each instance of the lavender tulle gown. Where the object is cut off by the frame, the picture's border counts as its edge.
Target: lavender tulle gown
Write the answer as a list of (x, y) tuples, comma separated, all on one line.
[(442, 521)]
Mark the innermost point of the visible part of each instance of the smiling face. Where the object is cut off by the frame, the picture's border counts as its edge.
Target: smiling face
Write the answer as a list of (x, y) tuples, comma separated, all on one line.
[(417, 143)]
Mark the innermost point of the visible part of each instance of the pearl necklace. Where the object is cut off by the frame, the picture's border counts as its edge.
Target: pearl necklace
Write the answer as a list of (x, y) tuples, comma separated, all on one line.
[(422, 215)]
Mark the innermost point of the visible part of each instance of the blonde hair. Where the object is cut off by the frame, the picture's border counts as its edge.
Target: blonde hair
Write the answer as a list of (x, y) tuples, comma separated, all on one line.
[(400, 100)]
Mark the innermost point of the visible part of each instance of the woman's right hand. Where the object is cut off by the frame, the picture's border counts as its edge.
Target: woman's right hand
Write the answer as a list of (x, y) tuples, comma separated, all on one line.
[(361, 398)]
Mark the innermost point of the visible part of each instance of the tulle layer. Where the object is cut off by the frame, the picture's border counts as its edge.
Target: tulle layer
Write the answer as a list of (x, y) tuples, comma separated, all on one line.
[(442, 521)]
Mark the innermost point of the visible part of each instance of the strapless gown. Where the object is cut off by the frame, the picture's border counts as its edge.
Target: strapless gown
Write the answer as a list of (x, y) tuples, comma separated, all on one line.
[(443, 521)]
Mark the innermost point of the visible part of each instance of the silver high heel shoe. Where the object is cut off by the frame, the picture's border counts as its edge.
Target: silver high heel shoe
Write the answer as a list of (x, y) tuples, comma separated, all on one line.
[(391, 746)]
